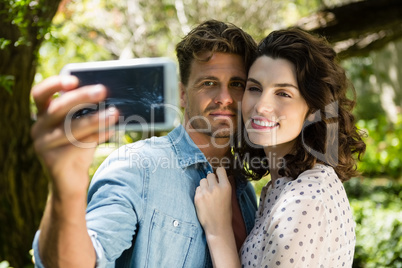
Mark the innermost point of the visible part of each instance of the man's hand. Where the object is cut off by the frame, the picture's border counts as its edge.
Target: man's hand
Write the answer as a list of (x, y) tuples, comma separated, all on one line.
[(66, 146)]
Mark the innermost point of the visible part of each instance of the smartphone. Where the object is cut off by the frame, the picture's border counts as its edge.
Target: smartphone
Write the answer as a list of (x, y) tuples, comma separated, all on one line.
[(144, 90)]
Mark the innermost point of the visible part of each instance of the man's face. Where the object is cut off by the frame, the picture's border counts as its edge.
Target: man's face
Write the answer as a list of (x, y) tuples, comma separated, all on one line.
[(212, 94)]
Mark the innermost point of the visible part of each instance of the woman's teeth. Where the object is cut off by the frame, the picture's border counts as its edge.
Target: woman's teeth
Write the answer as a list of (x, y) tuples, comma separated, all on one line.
[(264, 123)]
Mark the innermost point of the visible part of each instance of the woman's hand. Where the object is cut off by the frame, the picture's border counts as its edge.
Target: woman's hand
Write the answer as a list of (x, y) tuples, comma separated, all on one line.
[(213, 201)]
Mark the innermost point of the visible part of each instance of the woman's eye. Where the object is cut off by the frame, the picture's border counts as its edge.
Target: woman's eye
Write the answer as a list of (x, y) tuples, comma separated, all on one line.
[(283, 94)]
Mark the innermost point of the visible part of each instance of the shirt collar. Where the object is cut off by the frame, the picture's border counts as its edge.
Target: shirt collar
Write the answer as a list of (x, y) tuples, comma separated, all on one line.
[(186, 150), (189, 154)]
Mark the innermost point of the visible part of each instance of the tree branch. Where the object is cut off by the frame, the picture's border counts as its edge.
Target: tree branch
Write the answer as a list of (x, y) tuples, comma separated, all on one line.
[(357, 28)]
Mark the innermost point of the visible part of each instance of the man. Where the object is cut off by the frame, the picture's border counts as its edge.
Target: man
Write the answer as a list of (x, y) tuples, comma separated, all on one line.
[(139, 211)]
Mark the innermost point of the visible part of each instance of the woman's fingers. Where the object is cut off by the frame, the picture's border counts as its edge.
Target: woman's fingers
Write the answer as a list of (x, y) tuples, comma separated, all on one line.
[(222, 176), (213, 202), (212, 180), (203, 183)]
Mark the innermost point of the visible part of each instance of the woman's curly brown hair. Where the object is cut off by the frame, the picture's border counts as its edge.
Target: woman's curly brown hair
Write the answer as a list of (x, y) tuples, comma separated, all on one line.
[(331, 138)]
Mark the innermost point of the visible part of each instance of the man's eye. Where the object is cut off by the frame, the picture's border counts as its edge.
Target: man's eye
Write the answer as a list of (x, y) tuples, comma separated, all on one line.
[(209, 83), (237, 84)]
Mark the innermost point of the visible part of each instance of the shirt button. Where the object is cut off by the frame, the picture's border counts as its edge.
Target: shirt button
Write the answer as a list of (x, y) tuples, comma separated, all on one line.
[(175, 223)]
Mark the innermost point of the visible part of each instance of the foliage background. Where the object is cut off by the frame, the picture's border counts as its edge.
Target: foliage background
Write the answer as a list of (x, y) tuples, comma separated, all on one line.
[(91, 30), (80, 33)]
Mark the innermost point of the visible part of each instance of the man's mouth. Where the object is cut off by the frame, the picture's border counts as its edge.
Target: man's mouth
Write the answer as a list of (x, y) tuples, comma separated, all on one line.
[(222, 114)]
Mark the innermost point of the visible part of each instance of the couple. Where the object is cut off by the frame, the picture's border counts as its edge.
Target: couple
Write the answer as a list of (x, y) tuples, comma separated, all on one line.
[(295, 112)]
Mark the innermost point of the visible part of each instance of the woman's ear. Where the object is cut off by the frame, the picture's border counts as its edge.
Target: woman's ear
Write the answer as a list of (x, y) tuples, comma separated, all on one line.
[(313, 115)]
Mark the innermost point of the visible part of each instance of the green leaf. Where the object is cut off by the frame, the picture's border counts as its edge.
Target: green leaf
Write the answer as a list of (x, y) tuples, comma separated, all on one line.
[(5, 264), (4, 43), (7, 82)]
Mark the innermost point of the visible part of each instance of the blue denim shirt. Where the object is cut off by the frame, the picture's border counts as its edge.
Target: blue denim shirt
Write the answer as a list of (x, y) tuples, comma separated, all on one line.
[(141, 205)]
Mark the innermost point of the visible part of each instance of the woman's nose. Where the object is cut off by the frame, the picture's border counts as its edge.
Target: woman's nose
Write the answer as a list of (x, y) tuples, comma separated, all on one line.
[(264, 105)]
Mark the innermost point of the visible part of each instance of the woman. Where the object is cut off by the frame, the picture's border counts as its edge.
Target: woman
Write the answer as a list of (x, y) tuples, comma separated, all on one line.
[(300, 128)]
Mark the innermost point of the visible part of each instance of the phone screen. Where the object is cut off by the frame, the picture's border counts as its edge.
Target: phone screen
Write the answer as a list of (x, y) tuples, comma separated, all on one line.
[(137, 92)]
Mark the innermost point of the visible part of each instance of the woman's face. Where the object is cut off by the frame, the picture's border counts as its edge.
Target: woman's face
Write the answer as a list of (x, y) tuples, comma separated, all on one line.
[(273, 109)]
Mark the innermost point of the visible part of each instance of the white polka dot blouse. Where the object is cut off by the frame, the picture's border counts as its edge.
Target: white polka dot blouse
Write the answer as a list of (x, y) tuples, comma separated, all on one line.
[(305, 222)]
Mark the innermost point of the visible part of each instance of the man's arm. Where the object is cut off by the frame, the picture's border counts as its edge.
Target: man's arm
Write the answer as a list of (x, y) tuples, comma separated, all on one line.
[(66, 149), (64, 240)]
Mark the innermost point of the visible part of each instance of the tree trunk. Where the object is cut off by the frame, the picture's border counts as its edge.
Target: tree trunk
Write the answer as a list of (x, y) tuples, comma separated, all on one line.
[(23, 182)]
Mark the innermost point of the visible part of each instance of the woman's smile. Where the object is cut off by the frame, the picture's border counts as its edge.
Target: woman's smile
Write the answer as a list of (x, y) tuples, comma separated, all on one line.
[(273, 108)]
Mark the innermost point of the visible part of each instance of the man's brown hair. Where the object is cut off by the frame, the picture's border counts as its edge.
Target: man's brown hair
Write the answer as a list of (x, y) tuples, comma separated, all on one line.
[(213, 36)]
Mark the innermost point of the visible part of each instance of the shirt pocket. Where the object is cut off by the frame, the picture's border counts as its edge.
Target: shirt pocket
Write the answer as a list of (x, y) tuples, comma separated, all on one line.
[(170, 241)]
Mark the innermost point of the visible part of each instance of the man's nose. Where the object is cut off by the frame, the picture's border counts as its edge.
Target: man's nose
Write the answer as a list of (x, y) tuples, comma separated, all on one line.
[(224, 96)]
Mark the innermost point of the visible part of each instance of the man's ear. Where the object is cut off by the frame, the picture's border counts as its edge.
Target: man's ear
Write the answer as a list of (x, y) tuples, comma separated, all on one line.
[(183, 95)]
